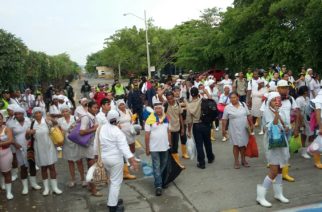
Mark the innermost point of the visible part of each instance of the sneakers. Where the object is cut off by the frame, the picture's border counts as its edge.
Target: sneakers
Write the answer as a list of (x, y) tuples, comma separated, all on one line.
[(261, 132), (217, 129), (224, 139), (158, 191)]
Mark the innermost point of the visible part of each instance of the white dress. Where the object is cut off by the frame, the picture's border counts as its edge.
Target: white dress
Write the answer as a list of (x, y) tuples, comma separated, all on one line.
[(237, 129), (71, 150), (257, 96), (19, 133), (80, 111), (126, 126), (87, 122), (45, 150), (302, 102), (276, 156)]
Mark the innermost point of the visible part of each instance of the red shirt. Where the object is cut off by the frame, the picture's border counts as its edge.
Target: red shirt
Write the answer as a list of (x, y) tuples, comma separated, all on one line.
[(99, 96)]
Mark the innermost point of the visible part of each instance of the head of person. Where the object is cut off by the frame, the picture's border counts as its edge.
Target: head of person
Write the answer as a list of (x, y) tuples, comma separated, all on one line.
[(101, 87), (226, 89), (93, 89), (284, 68), (61, 99), (93, 108), (201, 87), (37, 113), (303, 91), (65, 111), (302, 76), (315, 76), (285, 76), (109, 96), (176, 91), (121, 105), (66, 82), (158, 108), (113, 117), (159, 90), (85, 82), (309, 71), (265, 73), (276, 75), (226, 76), (274, 100), (170, 97), (39, 97), (6, 94), (260, 83), (135, 83), (234, 98), (255, 75), (84, 102), (290, 73), (194, 92), (117, 82), (249, 70), (17, 93), (19, 113), (11, 110), (283, 88), (55, 100), (241, 75)]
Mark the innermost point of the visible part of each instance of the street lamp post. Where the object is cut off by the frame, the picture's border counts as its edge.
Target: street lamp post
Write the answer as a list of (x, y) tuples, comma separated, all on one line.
[(146, 39)]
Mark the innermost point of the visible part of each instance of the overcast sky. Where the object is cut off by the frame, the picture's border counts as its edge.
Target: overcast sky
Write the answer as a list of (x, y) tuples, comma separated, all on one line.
[(79, 27)]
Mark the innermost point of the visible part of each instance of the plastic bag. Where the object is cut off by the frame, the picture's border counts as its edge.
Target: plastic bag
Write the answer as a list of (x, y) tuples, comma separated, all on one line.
[(295, 144), (191, 147), (252, 149), (146, 169), (171, 171), (316, 145)]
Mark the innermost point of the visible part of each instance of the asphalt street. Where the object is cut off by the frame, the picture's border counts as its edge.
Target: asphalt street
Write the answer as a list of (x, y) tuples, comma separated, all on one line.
[(219, 187)]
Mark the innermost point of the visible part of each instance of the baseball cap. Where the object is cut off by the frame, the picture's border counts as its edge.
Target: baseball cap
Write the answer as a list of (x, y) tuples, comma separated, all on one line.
[(282, 83)]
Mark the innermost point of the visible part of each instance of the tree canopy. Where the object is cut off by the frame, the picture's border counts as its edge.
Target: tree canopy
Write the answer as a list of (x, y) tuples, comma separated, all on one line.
[(19, 65), (252, 33)]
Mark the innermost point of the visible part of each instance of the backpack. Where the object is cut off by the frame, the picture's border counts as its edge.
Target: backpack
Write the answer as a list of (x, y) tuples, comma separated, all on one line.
[(209, 111), (309, 109)]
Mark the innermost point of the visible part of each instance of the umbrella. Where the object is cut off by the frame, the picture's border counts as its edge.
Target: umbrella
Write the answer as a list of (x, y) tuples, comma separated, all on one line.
[(171, 171)]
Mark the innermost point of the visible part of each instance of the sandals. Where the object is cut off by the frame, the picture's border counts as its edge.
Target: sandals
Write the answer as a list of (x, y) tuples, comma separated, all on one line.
[(97, 194), (245, 164), (237, 166)]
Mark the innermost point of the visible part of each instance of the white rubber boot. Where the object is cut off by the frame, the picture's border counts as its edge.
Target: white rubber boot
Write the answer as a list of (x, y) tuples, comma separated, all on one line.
[(14, 174), (8, 189), (46, 187), (33, 183), (2, 184), (278, 193), (304, 153), (25, 189), (54, 187), (261, 193)]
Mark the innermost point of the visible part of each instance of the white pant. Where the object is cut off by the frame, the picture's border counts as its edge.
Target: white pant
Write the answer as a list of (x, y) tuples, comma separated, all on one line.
[(115, 168)]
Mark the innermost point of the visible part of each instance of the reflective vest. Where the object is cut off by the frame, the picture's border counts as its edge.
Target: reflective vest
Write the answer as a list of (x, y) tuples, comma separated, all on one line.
[(119, 90), (249, 76)]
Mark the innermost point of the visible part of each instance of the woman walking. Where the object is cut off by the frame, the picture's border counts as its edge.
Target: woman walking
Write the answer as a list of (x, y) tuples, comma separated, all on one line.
[(257, 100), (239, 118), (45, 151), (71, 152), (277, 155), (6, 156)]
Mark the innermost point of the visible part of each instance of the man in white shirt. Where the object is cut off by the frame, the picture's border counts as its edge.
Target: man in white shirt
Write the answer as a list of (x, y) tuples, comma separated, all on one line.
[(273, 83), (101, 117), (314, 86), (29, 98), (114, 147), (252, 86)]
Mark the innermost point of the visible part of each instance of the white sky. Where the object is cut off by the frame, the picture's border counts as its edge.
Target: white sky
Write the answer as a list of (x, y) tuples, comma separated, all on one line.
[(79, 27)]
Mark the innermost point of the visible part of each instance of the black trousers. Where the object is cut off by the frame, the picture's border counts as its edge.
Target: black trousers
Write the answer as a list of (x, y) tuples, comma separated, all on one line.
[(201, 134), (183, 138), (175, 142)]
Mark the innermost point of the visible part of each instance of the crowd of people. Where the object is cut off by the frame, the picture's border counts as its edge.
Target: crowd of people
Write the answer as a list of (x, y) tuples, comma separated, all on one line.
[(169, 110)]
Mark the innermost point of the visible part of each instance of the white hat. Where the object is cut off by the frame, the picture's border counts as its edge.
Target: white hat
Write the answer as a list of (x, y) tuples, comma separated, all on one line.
[(282, 83), (61, 97), (260, 81), (63, 107), (18, 109), (55, 97), (12, 107), (210, 82), (119, 102), (37, 109), (237, 74), (113, 114)]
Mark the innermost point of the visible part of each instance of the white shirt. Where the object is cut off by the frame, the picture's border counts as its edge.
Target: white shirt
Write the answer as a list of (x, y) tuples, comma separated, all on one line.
[(285, 110), (113, 142), (158, 137), (80, 111), (29, 99), (252, 85), (272, 85), (226, 82), (101, 118), (214, 93), (224, 99), (54, 110), (314, 86), (302, 102)]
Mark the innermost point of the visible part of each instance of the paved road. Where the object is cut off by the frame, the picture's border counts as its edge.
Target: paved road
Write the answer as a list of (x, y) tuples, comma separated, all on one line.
[(219, 187)]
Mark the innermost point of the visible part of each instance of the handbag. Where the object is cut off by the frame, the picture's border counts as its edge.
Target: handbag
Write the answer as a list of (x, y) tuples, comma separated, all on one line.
[(277, 137), (295, 144), (56, 136), (100, 176), (221, 106), (252, 149), (83, 140)]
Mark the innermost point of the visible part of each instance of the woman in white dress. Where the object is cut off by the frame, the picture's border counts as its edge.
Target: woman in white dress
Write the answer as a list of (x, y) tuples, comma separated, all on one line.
[(302, 102), (40, 102), (5, 157), (54, 108), (127, 128), (257, 100), (81, 110), (239, 119), (19, 129), (277, 157), (72, 152), (45, 151), (89, 125)]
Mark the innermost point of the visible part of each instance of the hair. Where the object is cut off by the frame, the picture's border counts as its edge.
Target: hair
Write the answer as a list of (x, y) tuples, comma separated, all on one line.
[(105, 101), (91, 104), (233, 93), (283, 75), (302, 90), (169, 93)]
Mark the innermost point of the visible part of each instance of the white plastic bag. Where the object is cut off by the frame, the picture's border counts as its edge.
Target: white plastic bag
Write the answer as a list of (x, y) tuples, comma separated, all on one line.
[(316, 145), (191, 147)]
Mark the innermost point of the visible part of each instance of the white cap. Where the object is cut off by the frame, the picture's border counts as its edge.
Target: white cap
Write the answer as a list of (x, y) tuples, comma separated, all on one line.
[(260, 81), (18, 109), (237, 74), (61, 97), (12, 107), (282, 83), (113, 114)]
